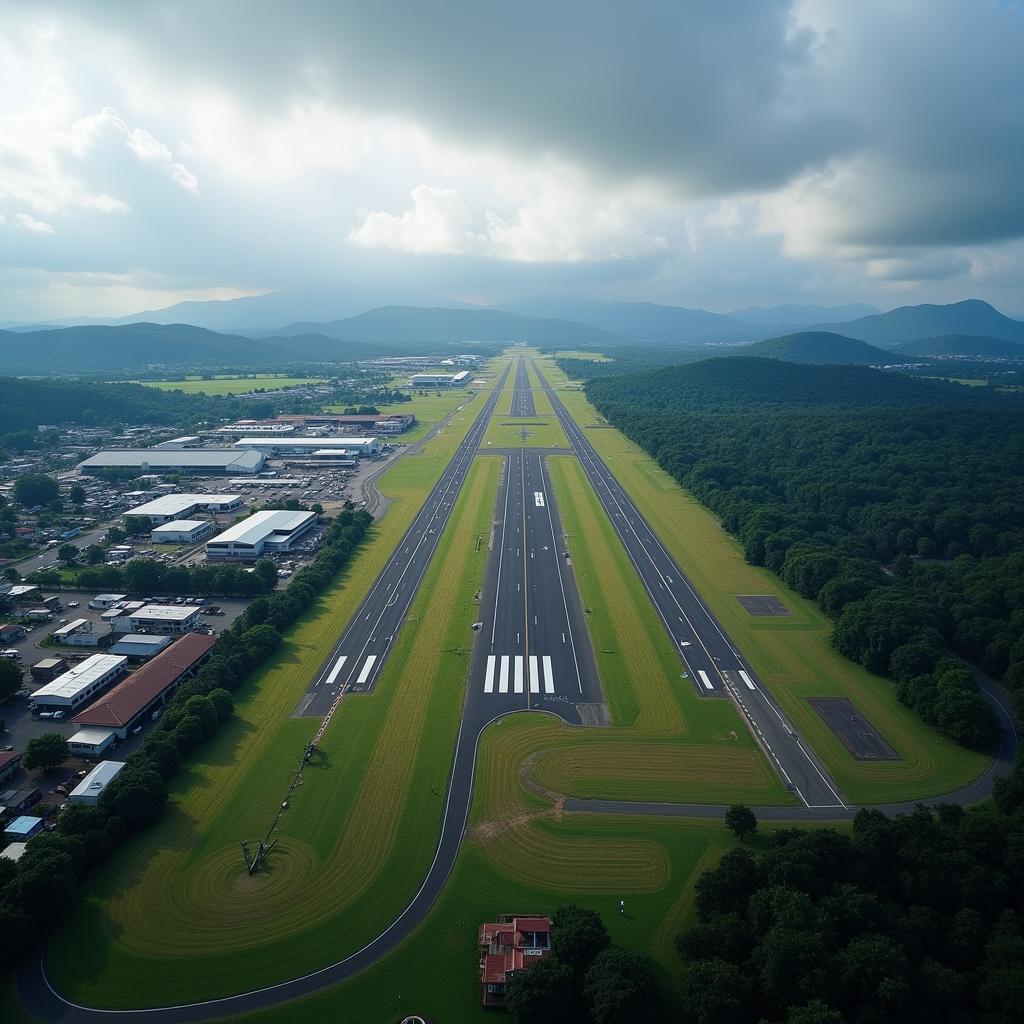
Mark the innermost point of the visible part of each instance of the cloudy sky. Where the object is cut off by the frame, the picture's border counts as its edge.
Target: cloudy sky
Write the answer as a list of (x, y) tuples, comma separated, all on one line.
[(702, 154)]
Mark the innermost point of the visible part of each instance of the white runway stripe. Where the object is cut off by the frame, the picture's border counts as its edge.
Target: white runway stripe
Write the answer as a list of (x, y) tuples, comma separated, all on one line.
[(549, 681), (747, 680), (503, 675), (704, 679), (534, 675), (518, 687), (336, 669), (367, 668), (489, 678)]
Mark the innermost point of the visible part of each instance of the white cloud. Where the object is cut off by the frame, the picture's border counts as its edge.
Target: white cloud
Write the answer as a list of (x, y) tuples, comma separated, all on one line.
[(36, 227), (438, 222)]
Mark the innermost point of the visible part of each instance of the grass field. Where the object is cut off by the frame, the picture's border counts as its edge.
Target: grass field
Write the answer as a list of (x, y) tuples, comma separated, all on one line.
[(338, 877), (227, 385), (792, 654), (517, 431)]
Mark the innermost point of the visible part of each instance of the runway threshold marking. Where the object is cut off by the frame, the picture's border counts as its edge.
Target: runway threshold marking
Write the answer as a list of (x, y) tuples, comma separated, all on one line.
[(518, 684), (335, 669), (489, 677), (704, 679), (534, 675), (503, 675), (747, 680), (549, 681), (367, 669)]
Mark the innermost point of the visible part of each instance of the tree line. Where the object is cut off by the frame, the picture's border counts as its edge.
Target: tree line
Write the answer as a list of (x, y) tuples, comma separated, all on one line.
[(896, 504), (36, 891)]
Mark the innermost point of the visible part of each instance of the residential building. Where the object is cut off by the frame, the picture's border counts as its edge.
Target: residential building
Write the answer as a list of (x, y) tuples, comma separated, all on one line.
[(514, 943)]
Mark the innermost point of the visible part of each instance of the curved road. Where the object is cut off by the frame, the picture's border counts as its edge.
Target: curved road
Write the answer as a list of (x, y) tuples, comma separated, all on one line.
[(43, 1002)]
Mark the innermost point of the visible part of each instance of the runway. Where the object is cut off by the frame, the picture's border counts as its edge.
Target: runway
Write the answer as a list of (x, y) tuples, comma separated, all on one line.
[(713, 664), (359, 657)]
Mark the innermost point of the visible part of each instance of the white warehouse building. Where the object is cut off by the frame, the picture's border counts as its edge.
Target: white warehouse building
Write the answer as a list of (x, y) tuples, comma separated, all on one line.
[(88, 791), (80, 684), (182, 531), (170, 507), (439, 380), (199, 461), (262, 532), (305, 445)]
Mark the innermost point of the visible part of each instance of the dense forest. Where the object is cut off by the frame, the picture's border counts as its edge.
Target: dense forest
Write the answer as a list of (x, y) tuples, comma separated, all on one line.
[(916, 918), (897, 504)]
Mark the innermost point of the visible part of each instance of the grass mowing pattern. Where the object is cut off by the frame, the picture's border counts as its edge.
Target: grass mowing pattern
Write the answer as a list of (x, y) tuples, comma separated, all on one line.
[(792, 654), (342, 875)]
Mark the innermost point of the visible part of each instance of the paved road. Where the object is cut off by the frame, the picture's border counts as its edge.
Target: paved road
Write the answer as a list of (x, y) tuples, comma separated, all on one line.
[(39, 998), (713, 664), (356, 662)]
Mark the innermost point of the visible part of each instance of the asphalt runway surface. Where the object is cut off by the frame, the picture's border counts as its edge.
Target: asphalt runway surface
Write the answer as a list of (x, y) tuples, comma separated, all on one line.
[(689, 623), (713, 665), (355, 664)]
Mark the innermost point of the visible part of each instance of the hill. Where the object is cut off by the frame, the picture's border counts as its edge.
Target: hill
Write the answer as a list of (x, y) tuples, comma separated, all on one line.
[(820, 347), (741, 380), (648, 321), (909, 323), (106, 349), (962, 345), (441, 325), (791, 315)]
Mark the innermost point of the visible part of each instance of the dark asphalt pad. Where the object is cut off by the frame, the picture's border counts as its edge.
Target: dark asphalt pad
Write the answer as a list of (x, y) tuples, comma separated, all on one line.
[(855, 732), (762, 604)]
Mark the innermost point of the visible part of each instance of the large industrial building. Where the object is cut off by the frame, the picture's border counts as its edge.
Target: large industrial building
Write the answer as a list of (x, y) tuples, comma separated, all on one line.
[(262, 532), (196, 461), (439, 380), (305, 445), (383, 423), (148, 689), (80, 684), (171, 507), (182, 531), (160, 619)]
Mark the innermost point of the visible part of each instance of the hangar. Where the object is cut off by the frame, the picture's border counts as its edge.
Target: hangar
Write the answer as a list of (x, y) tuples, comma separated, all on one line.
[(261, 532), (197, 461)]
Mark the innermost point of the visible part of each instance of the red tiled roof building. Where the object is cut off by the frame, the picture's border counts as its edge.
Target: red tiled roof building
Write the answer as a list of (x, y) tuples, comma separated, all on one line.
[(513, 943)]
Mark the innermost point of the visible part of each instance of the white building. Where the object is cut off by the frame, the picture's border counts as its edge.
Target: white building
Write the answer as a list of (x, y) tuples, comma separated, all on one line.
[(81, 683), (439, 380), (182, 531), (200, 461), (91, 742), (301, 445), (262, 532), (77, 633), (178, 442), (89, 790), (171, 507), (101, 602), (167, 619)]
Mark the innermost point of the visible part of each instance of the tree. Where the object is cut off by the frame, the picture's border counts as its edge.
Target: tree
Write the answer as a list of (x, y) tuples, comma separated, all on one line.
[(10, 677), (77, 495), (67, 553), (267, 572), (35, 489), (543, 994), (741, 820), (814, 1012), (619, 986), (577, 936), (45, 752), (135, 795), (94, 554), (714, 992)]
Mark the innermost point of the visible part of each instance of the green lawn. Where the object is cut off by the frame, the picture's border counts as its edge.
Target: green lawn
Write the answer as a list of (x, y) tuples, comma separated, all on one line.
[(517, 431), (792, 654), (594, 357), (337, 878), (227, 385)]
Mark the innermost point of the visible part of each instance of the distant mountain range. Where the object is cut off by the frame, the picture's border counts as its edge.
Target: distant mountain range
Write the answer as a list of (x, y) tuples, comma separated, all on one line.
[(790, 315), (910, 323), (444, 326), (821, 347)]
